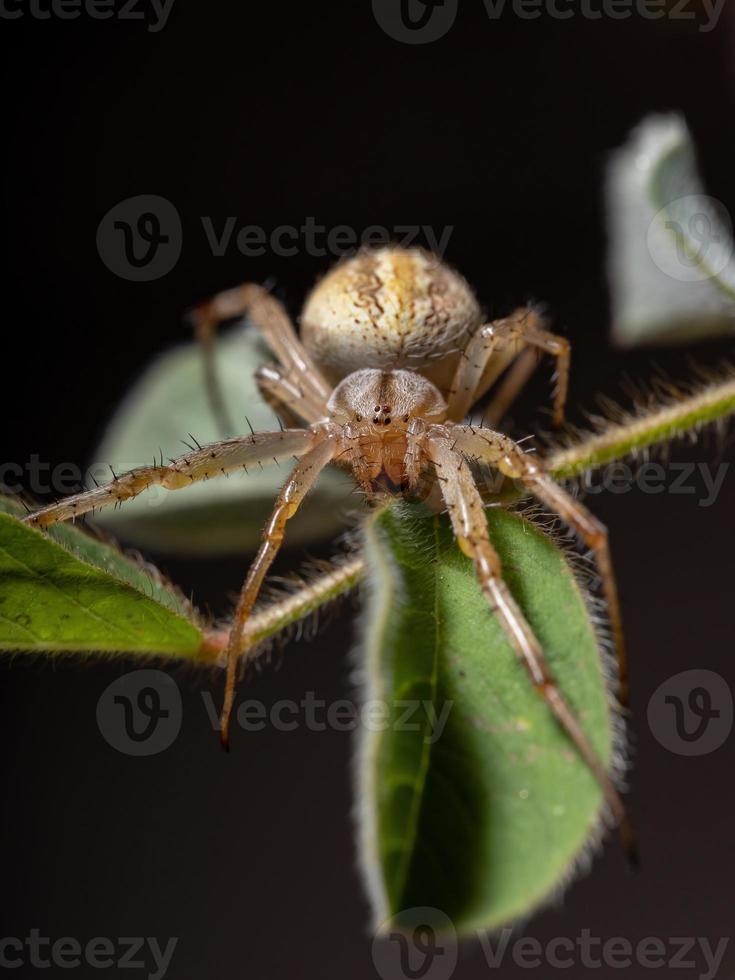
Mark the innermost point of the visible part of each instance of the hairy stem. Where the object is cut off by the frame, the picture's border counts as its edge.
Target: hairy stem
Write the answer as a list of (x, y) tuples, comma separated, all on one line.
[(679, 415), (280, 614)]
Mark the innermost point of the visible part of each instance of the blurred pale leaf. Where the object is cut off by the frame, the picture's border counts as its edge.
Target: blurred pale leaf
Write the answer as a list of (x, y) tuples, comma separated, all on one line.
[(671, 258), (218, 516)]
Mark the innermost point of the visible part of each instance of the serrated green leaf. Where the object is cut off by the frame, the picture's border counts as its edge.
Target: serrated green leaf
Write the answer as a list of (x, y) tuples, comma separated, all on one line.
[(671, 252), (65, 590), (485, 822), (219, 516)]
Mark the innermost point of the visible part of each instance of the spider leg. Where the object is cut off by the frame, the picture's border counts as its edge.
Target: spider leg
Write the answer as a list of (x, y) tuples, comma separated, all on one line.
[(500, 451), (201, 464), (594, 534), (510, 387), (288, 396), (269, 316), (469, 522), (490, 351), (293, 492)]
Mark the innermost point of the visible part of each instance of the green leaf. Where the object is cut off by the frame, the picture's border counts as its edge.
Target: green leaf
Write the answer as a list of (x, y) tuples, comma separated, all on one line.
[(218, 516), (485, 820), (671, 252), (64, 590)]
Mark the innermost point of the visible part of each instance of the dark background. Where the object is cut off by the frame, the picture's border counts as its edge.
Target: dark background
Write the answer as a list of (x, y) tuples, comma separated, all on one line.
[(275, 113)]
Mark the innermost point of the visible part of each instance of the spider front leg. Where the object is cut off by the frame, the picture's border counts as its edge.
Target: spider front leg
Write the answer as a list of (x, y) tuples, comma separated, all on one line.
[(269, 316), (216, 459), (294, 490), (467, 514), (490, 351)]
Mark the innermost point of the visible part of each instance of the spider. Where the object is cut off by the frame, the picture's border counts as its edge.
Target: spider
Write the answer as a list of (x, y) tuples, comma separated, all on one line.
[(393, 354)]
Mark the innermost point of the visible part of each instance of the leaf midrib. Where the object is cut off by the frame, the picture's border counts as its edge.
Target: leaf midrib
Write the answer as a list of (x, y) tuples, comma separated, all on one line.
[(420, 781)]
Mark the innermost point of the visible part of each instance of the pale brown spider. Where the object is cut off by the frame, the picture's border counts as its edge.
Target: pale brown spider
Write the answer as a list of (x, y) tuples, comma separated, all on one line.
[(393, 355)]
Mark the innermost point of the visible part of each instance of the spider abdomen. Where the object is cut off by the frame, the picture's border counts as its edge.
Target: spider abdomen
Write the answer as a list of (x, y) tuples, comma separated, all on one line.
[(390, 308)]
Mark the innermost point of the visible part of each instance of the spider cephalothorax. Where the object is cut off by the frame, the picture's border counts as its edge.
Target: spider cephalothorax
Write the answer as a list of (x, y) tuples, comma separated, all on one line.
[(377, 410), (393, 355)]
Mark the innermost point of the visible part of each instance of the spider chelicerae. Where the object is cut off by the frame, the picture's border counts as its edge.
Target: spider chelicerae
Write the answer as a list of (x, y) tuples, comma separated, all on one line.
[(392, 356)]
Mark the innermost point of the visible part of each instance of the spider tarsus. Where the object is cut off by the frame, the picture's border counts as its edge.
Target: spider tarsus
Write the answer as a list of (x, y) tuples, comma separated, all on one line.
[(224, 738)]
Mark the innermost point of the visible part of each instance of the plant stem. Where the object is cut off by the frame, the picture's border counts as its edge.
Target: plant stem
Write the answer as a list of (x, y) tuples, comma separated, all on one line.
[(277, 616), (682, 414)]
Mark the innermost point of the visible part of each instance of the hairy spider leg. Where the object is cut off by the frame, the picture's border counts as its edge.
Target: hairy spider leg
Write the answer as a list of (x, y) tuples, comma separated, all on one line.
[(493, 347), (292, 494), (271, 319), (212, 460), (467, 514), (501, 452), (510, 387), (287, 396)]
